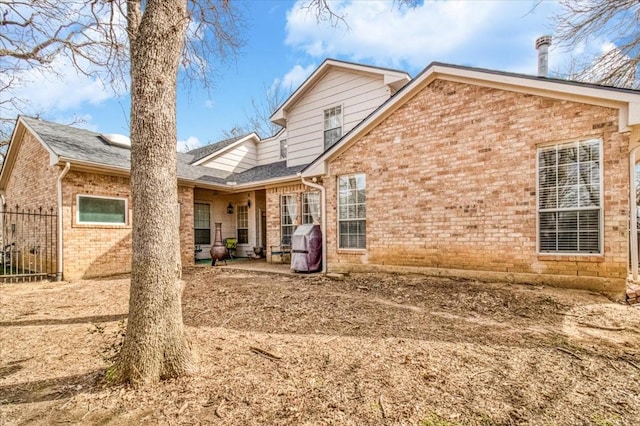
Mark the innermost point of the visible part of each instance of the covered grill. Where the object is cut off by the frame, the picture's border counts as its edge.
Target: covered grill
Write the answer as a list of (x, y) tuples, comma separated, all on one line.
[(306, 249)]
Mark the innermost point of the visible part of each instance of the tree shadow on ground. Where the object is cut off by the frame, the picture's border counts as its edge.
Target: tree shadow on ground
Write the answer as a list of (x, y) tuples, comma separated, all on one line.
[(50, 389), (64, 321)]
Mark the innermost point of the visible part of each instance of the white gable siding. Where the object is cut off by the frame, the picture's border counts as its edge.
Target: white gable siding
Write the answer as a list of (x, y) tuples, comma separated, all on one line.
[(358, 94), (269, 149), (238, 159)]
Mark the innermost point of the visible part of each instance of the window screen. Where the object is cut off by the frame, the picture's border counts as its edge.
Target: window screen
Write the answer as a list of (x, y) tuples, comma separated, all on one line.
[(202, 223), (569, 198), (352, 211), (102, 210), (332, 126), (243, 224)]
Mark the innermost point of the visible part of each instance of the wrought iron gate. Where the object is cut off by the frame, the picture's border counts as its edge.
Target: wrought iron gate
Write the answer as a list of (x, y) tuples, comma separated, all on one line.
[(29, 244)]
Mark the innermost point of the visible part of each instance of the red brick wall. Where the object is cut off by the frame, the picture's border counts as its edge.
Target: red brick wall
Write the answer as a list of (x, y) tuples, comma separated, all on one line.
[(273, 211), (31, 188), (101, 250), (451, 183), (94, 250), (187, 247), (32, 183), (89, 250)]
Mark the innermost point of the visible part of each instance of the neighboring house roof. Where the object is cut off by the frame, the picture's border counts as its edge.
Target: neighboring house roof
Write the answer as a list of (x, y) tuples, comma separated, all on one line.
[(268, 171), (89, 149), (393, 78), (627, 101), (203, 151), (275, 135), (203, 154)]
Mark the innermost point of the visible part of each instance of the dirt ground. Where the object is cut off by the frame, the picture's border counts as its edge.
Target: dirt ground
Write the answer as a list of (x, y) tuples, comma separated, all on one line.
[(372, 349)]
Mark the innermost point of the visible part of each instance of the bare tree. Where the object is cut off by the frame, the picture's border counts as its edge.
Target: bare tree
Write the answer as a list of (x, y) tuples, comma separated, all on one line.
[(258, 119), (34, 34), (146, 37), (324, 12), (155, 345), (616, 21), (149, 36)]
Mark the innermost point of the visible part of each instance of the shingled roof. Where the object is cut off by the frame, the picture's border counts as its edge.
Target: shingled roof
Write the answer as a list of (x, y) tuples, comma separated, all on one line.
[(81, 145), (204, 151)]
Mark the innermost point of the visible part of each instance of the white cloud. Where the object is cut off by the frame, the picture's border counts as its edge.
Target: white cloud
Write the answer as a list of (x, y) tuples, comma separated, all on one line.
[(62, 89), (388, 34), (209, 104), (293, 78), (190, 143), (58, 89), (489, 34)]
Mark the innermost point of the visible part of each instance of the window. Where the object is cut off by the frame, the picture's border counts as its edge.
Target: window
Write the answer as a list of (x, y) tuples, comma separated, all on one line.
[(202, 223), (288, 217), (310, 207), (332, 126), (283, 149), (242, 217), (570, 198), (352, 212), (102, 210)]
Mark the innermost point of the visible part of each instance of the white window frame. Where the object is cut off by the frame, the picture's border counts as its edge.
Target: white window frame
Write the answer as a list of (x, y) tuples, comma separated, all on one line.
[(194, 223), (283, 214), (284, 149), (339, 220), (306, 215), (238, 227), (103, 197), (324, 122), (600, 208)]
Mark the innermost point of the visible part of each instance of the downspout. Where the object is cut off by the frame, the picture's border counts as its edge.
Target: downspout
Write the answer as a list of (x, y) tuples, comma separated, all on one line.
[(3, 200), (67, 166), (323, 211)]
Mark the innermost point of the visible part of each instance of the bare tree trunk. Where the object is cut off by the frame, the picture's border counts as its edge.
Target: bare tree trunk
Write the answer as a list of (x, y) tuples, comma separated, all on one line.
[(155, 345)]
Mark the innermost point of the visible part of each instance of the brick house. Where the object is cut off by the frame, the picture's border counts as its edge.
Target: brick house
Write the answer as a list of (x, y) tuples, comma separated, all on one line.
[(460, 171), (236, 182), (485, 174)]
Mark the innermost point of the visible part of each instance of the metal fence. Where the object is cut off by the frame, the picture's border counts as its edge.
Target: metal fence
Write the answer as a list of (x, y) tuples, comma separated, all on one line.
[(29, 244)]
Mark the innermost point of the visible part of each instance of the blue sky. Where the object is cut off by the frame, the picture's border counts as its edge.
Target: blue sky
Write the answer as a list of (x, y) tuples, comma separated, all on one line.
[(285, 43)]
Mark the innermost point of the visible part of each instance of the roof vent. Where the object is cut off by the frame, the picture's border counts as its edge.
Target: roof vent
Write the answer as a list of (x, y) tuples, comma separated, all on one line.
[(542, 46), (117, 139)]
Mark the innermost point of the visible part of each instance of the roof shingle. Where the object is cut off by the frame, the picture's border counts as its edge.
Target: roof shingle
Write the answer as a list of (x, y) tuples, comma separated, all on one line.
[(86, 146)]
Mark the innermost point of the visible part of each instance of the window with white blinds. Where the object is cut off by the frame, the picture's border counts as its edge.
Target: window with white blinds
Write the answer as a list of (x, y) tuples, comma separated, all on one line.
[(570, 198), (352, 212)]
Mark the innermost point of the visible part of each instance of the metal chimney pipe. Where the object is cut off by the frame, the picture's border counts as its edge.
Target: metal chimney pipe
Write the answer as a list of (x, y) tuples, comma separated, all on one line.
[(542, 46)]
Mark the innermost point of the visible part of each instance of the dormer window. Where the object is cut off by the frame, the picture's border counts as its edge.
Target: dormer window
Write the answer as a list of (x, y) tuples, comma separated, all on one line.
[(332, 126)]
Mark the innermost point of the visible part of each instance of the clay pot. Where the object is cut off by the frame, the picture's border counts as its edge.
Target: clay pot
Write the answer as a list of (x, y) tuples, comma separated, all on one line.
[(218, 250)]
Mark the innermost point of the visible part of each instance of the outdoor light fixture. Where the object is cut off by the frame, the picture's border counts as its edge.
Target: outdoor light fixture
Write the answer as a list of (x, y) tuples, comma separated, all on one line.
[(230, 208), (248, 201)]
